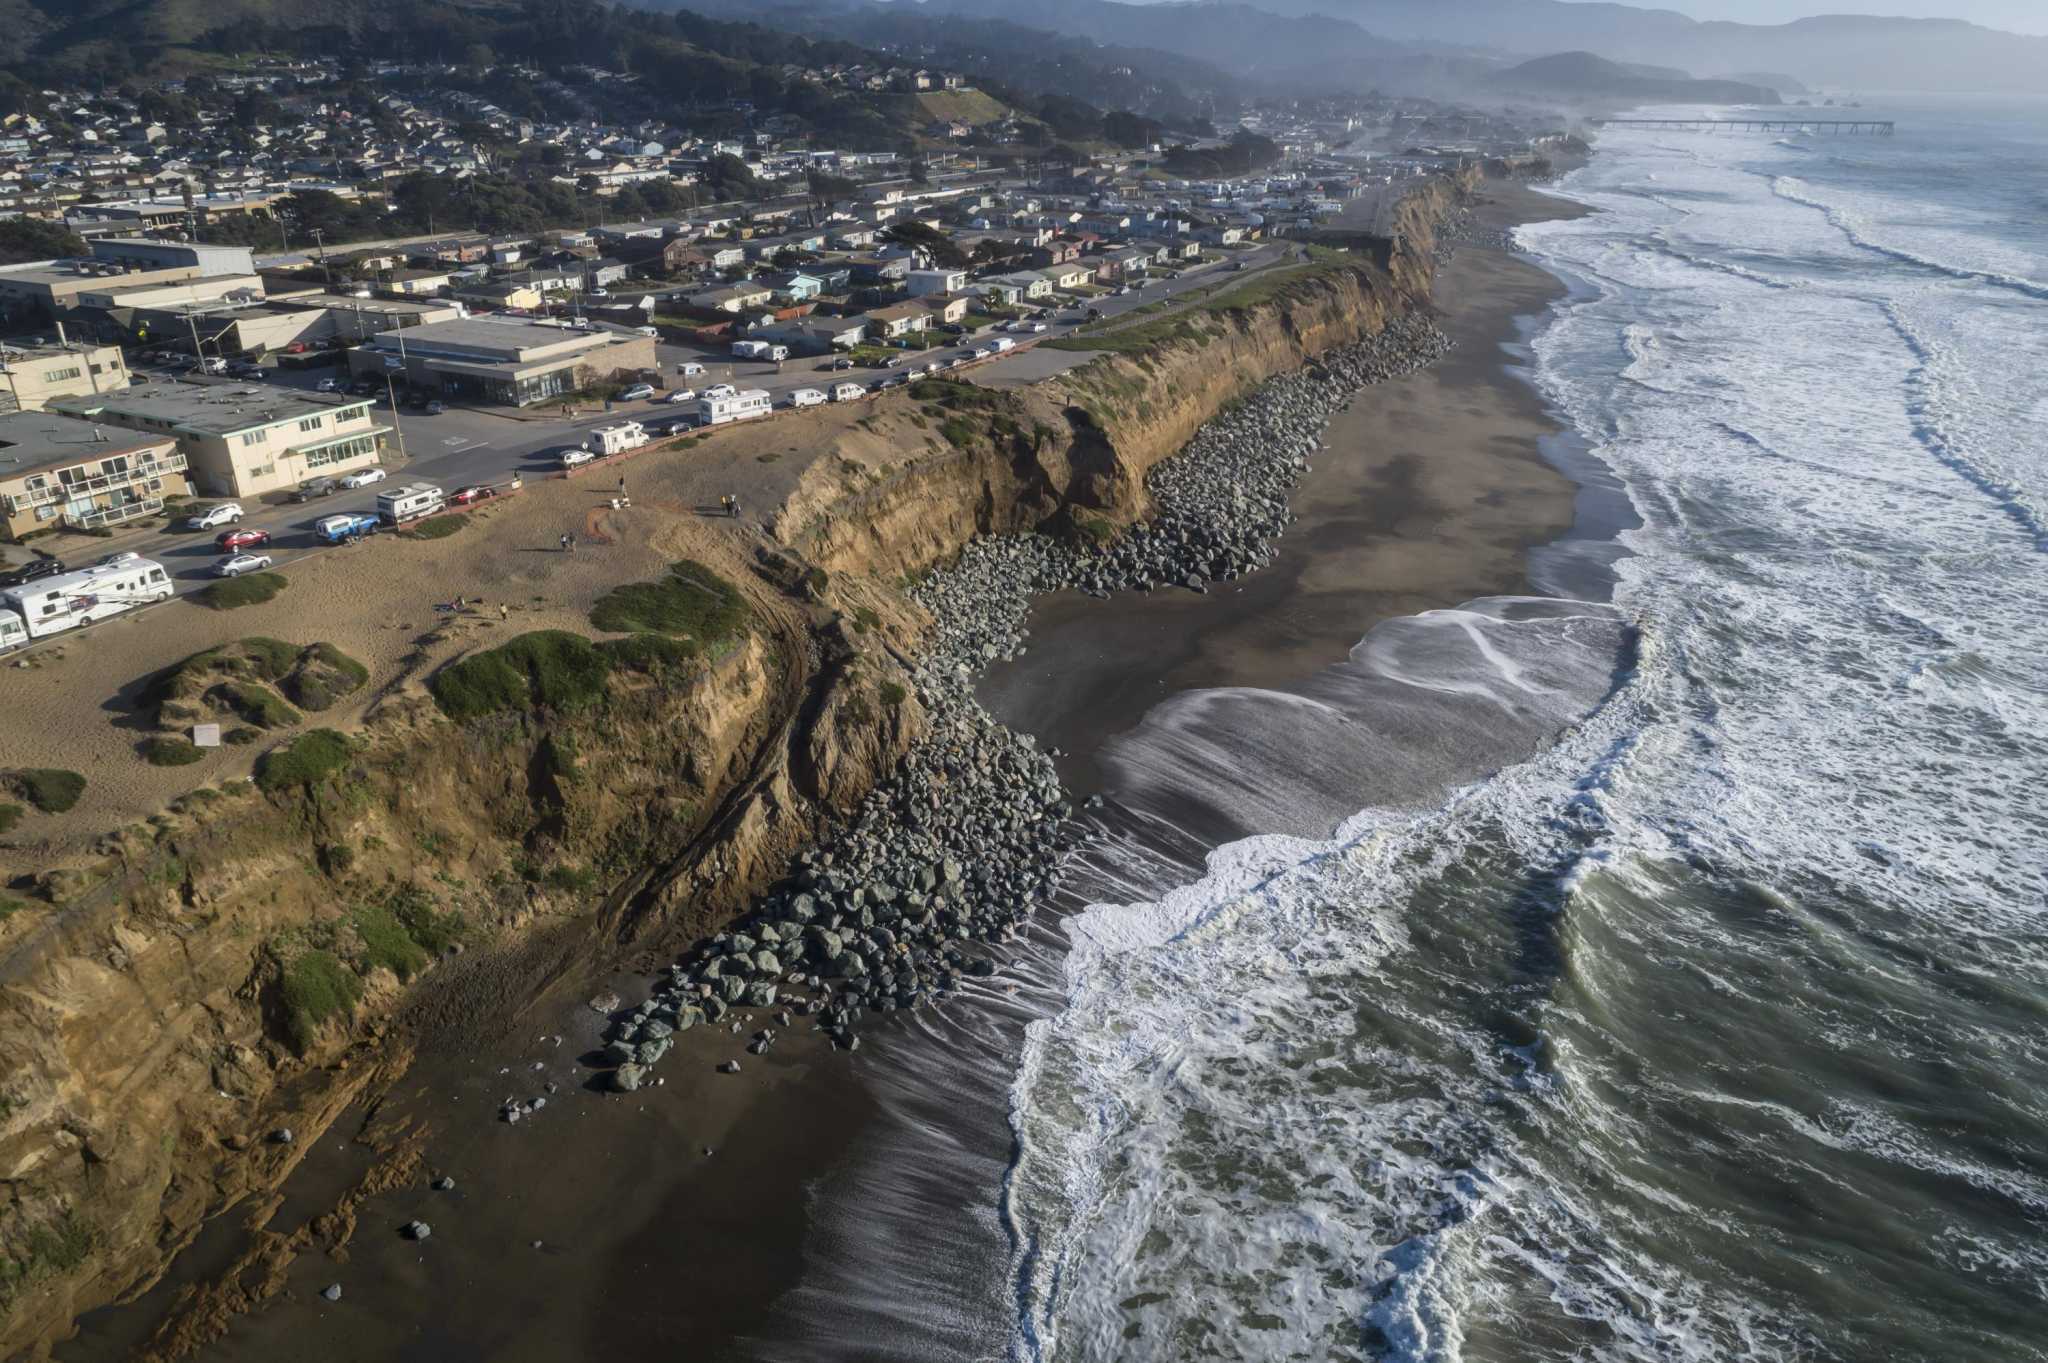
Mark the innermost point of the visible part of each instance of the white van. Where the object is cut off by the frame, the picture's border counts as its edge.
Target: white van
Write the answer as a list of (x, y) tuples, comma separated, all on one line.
[(806, 397), (689, 369), (847, 392), (13, 634), (72, 599), (409, 503), (649, 331)]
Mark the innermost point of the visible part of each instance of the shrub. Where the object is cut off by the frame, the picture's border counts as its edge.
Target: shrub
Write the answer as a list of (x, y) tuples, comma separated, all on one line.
[(10, 815), (547, 667), (9, 906), (438, 527), (571, 878), (51, 790), (307, 760), (258, 704), (691, 600), (386, 943), (649, 654), (251, 590), (315, 987), (241, 735), (959, 434), (893, 694), (165, 751), (433, 930), (322, 674), (865, 619)]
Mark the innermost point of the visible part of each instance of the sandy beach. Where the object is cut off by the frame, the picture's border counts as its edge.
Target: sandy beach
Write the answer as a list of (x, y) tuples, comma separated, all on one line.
[(674, 1218)]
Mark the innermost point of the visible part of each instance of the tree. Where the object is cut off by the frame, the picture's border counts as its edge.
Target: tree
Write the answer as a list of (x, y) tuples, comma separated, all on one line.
[(825, 186), (920, 173), (23, 239), (1127, 129)]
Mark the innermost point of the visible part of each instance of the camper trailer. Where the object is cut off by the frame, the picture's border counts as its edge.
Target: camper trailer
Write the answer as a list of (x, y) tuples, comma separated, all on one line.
[(409, 503), (72, 599)]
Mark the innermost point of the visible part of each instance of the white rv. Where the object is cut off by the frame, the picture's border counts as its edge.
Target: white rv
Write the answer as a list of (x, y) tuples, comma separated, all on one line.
[(718, 410), (409, 503), (618, 438), (72, 599), (13, 634)]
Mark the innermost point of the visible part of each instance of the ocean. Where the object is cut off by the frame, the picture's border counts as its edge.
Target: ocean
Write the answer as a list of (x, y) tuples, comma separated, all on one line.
[(1716, 1028)]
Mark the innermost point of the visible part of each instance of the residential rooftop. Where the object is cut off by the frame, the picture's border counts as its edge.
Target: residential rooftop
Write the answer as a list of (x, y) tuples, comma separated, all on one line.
[(30, 441), (198, 408)]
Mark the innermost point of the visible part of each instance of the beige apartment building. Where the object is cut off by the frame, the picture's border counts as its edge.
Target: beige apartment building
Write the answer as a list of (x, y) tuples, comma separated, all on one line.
[(31, 376), (57, 470), (244, 440)]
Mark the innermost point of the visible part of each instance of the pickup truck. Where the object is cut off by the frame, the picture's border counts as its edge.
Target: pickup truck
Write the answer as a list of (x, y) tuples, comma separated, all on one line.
[(345, 527)]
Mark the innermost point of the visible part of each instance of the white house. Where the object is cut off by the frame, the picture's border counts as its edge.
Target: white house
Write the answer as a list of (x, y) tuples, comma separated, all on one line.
[(922, 282)]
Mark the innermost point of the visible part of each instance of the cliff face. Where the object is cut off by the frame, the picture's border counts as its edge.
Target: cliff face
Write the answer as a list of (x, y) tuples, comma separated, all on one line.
[(164, 1020)]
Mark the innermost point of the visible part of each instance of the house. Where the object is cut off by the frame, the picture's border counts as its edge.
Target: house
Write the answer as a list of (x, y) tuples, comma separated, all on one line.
[(946, 307), (1124, 262), (60, 470), (816, 334), (922, 282), (877, 269), (1028, 284), (241, 441), (660, 256), (1072, 275), (734, 298), (604, 272), (503, 296), (896, 319), (998, 291), (794, 285), (411, 283)]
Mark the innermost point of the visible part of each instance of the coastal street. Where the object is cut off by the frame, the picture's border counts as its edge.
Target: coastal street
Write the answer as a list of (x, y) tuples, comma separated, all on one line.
[(471, 446)]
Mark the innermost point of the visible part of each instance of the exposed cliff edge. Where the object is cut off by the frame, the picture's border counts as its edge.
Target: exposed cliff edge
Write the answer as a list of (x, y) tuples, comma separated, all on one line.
[(256, 959)]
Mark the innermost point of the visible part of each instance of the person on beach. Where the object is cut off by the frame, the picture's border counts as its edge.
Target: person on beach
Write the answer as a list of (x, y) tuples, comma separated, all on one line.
[(568, 544)]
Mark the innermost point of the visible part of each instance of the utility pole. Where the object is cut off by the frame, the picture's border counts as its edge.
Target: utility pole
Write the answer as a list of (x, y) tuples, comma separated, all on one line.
[(320, 246)]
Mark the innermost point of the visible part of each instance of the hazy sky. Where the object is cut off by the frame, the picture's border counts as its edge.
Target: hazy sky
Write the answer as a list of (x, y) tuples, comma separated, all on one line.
[(2014, 16)]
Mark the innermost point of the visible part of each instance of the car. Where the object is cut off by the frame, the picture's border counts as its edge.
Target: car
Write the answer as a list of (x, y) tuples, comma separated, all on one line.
[(480, 492), (362, 388), (892, 362), (295, 348), (680, 395), (435, 407), (228, 541), (245, 371), (668, 428), (315, 487), (841, 363), (1038, 326), (31, 571), (109, 560), (225, 513), (361, 478), (327, 386), (569, 456), (600, 293), (234, 565), (721, 390), (637, 392), (953, 329)]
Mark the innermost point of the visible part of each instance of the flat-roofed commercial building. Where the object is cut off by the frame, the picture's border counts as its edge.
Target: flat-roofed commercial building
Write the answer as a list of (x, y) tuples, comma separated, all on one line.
[(243, 440), (50, 289), (57, 470), (31, 376), (506, 363)]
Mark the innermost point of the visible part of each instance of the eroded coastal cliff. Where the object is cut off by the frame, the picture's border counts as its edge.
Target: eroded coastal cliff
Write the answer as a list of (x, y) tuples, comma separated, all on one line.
[(161, 1027)]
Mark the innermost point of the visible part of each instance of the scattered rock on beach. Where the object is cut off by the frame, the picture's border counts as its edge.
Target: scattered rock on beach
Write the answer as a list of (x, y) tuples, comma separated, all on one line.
[(417, 1230), (332, 1291)]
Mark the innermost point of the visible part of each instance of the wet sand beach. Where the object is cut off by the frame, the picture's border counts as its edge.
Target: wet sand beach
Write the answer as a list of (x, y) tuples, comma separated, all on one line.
[(599, 1226)]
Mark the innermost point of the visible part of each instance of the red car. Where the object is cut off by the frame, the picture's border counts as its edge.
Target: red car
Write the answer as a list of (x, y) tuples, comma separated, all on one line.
[(231, 540), (465, 495)]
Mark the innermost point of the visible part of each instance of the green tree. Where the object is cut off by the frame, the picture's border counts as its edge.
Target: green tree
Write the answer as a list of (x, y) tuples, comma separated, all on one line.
[(23, 239)]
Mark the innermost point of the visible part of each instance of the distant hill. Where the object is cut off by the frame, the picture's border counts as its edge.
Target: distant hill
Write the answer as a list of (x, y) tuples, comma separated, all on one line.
[(1833, 50), (1581, 75), (1783, 84)]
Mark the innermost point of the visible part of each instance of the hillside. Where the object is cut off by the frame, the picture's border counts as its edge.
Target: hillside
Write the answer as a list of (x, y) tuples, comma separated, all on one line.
[(1583, 76)]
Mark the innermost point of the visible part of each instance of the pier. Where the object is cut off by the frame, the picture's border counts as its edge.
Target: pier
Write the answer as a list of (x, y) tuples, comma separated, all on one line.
[(1873, 127)]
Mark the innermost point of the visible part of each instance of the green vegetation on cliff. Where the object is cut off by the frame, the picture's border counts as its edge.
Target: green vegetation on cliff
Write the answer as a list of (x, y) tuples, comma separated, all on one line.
[(48, 789), (692, 601), (315, 986), (548, 668), (307, 760)]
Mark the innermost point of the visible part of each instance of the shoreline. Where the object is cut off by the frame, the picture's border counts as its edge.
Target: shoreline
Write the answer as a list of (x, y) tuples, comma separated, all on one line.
[(586, 1221)]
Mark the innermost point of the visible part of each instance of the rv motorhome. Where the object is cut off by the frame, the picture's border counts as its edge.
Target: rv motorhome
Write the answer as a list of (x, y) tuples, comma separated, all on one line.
[(72, 599)]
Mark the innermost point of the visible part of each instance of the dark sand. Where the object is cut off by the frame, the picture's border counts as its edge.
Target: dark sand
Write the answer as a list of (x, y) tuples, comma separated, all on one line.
[(1432, 493)]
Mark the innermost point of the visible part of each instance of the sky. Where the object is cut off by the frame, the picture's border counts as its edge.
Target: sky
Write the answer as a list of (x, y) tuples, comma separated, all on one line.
[(2014, 16)]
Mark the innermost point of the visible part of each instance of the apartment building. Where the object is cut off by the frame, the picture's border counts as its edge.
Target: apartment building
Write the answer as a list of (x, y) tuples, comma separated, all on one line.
[(244, 441), (30, 376), (57, 470)]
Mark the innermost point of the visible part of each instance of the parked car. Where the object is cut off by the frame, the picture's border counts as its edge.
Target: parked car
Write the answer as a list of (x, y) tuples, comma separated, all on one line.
[(234, 565), (31, 571), (463, 496), (341, 529), (680, 395), (435, 407), (109, 560), (720, 390), (637, 392), (362, 478), (840, 362), (225, 513), (362, 388), (600, 293), (327, 386), (668, 428), (227, 541), (1038, 326), (314, 488), (569, 456), (953, 329)]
